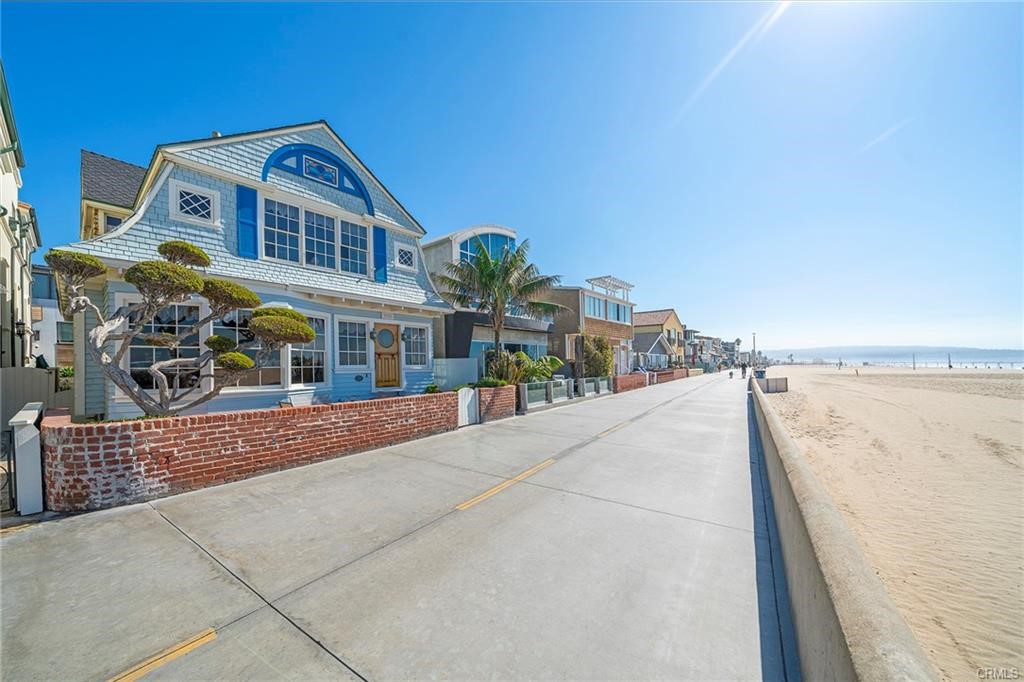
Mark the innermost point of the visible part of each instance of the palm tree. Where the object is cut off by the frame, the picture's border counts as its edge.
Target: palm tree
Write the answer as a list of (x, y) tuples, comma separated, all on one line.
[(499, 286)]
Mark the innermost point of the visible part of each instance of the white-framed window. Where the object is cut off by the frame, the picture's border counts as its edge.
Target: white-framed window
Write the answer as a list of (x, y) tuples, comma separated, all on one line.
[(415, 346), (173, 319), (594, 306), (405, 258), (309, 360), (351, 342), (354, 247), (194, 204), (320, 242), (235, 326), (280, 231)]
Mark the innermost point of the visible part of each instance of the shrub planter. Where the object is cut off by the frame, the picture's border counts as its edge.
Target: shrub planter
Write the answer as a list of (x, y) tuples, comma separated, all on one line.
[(95, 466), (497, 403)]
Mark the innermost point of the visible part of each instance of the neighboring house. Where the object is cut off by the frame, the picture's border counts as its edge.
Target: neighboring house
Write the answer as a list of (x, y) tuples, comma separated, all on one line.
[(53, 337), (710, 353), (467, 333), (19, 237), (730, 351), (653, 351), (602, 310), (296, 216), (665, 322), (109, 187), (694, 346)]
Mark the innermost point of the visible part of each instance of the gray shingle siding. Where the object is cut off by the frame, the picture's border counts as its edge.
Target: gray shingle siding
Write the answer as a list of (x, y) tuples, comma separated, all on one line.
[(139, 242), (247, 157)]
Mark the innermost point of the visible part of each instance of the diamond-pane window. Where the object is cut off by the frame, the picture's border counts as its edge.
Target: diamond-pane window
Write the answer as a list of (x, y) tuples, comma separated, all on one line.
[(195, 204), (406, 258)]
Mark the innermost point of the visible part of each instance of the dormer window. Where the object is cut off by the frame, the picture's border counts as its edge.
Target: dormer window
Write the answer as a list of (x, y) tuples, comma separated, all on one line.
[(194, 204)]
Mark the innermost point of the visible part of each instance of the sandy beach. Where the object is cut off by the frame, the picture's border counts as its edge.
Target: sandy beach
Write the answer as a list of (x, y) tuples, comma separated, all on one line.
[(928, 469)]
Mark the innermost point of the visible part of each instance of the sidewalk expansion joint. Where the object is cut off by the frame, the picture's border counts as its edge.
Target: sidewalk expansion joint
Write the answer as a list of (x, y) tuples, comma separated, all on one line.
[(256, 592)]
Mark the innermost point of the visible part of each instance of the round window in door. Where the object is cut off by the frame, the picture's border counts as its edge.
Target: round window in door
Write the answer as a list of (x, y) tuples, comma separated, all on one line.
[(385, 338)]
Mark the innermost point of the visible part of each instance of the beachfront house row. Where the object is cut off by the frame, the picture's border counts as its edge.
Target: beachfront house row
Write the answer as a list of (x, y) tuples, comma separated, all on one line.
[(603, 309), (296, 216), (467, 333), (665, 322)]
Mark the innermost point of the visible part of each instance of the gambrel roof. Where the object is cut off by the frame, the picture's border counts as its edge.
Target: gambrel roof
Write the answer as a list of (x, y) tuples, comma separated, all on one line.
[(226, 165)]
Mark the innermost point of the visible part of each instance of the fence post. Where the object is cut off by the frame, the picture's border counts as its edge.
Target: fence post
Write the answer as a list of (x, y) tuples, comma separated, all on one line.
[(549, 391), (28, 459)]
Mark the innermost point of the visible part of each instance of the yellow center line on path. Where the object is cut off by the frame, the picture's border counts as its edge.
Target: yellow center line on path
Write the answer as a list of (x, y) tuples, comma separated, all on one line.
[(501, 486), (608, 432), (166, 656)]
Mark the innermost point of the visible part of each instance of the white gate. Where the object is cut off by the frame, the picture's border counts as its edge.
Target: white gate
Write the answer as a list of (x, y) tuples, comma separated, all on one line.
[(469, 407)]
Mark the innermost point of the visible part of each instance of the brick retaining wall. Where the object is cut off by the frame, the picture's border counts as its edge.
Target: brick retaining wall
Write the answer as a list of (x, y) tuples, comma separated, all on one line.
[(497, 403), (629, 382), (672, 375), (94, 466)]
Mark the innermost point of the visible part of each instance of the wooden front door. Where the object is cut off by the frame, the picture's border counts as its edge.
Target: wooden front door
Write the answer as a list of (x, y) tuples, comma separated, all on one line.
[(385, 354)]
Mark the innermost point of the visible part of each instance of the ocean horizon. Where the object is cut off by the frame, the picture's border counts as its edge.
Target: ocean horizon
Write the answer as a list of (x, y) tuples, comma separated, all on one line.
[(898, 356)]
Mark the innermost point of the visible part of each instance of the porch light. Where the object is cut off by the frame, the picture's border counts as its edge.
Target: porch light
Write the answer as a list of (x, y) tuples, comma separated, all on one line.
[(373, 335), (19, 328), (406, 335)]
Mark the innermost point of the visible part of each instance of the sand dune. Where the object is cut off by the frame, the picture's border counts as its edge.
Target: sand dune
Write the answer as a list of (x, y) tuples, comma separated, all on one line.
[(928, 469)]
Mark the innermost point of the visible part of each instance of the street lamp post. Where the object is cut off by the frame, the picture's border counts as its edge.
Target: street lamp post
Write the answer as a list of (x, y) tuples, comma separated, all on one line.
[(753, 351)]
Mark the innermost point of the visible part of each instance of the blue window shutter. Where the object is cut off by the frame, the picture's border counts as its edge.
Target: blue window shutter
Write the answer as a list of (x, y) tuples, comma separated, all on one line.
[(380, 255), (248, 234)]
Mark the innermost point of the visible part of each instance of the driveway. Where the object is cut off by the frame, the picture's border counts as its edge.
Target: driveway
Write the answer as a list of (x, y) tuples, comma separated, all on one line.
[(624, 537)]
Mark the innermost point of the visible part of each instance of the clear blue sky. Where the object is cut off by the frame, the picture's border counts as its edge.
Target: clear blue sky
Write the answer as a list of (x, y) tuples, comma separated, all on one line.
[(840, 173)]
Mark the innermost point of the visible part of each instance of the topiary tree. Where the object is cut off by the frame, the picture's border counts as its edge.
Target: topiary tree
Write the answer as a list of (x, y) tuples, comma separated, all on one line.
[(161, 284)]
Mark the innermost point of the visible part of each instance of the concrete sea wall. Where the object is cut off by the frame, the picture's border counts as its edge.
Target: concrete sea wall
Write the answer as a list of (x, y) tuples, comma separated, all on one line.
[(847, 626)]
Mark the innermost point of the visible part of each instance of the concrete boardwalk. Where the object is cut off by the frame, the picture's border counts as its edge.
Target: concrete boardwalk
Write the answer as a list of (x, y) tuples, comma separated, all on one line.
[(636, 548)]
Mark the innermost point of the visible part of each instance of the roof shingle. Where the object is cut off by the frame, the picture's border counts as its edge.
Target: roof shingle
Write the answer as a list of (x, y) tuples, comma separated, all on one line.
[(110, 181), (647, 317)]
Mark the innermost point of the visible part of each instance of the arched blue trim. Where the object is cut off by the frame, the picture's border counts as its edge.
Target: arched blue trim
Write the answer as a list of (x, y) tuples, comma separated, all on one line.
[(299, 152)]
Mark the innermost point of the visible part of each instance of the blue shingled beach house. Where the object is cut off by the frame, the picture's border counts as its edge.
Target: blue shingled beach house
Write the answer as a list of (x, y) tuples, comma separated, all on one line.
[(293, 214)]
